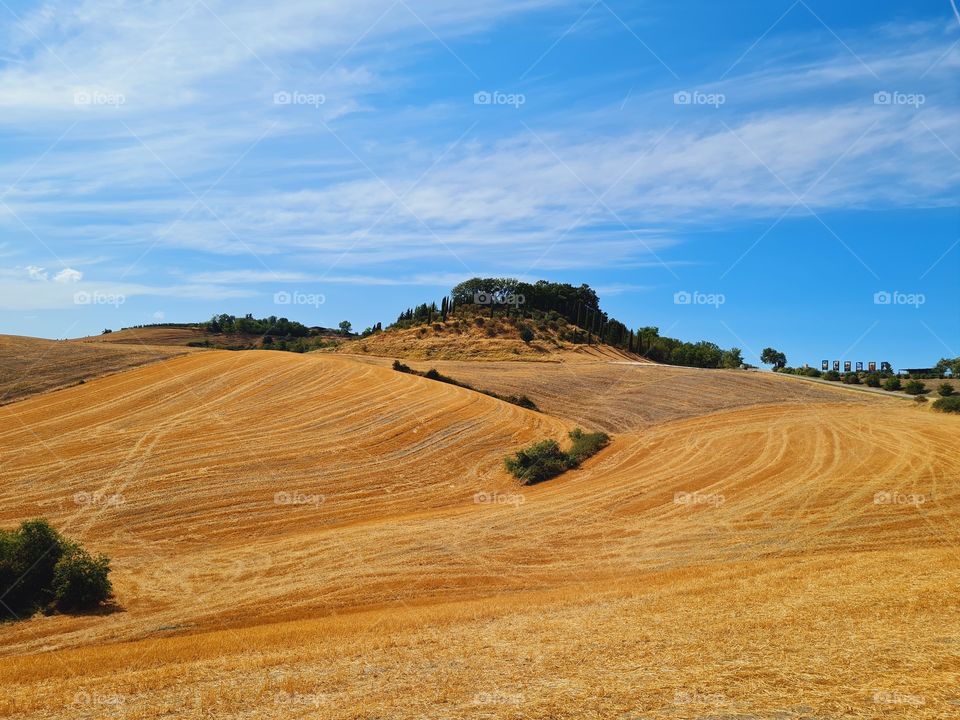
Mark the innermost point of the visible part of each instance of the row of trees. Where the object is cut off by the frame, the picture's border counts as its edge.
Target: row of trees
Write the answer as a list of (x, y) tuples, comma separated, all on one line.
[(249, 325)]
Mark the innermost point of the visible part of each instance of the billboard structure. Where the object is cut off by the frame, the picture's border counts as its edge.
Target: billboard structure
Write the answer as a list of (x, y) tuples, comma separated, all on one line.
[(846, 366), (836, 366), (825, 365), (859, 366), (872, 366)]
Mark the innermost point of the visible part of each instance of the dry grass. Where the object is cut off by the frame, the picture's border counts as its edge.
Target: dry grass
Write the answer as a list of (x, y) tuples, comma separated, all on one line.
[(730, 563), (614, 395), (463, 339), (32, 365)]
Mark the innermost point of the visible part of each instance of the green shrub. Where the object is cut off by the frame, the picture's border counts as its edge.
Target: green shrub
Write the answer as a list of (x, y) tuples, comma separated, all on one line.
[(32, 558), (914, 387), (521, 400), (873, 380), (541, 461), (80, 580), (891, 384), (949, 404), (945, 390), (544, 460), (851, 378), (400, 367), (585, 445), (831, 375), (526, 334)]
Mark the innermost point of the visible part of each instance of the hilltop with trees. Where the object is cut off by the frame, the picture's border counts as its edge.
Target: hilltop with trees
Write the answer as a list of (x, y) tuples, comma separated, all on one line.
[(547, 316)]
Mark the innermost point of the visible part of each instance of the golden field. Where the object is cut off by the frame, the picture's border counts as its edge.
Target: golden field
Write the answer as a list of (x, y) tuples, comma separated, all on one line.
[(299, 536)]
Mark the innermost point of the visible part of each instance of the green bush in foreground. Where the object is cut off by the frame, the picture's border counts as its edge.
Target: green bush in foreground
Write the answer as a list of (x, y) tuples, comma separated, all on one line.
[(544, 460), (892, 384), (41, 570), (945, 390), (949, 404)]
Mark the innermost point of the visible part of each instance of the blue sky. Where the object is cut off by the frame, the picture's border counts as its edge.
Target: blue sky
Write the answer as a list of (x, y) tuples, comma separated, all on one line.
[(793, 166)]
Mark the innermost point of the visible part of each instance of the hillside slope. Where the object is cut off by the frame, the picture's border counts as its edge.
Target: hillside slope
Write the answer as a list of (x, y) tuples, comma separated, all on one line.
[(475, 336), (615, 395), (33, 365), (793, 559)]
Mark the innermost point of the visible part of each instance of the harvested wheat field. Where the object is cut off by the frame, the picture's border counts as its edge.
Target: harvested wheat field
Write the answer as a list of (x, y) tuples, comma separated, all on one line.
[(616, 395), (299, 536), (33, 365)]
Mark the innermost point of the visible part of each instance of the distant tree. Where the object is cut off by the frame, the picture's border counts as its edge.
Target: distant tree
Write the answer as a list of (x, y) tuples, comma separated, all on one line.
[(732, 358), (769, 356), (951, 364), (106, 331), (345, 327)]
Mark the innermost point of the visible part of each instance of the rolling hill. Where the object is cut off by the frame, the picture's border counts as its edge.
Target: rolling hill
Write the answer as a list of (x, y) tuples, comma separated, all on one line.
[(32, 365), (318, 535)]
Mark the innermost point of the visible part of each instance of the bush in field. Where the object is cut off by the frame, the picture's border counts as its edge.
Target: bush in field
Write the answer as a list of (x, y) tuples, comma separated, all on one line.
[(544, 460), (914, 387), (949, 404), (401, 367), (851, 378), (40, 569), (80, 580), (526, 334), (945, 390), (892, 384), (541, 461), (585, 445), (831, 375), (873, 380)]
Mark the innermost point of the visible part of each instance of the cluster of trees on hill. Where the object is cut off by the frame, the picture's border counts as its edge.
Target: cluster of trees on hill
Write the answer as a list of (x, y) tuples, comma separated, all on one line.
[(249, 325), (580, 307)]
